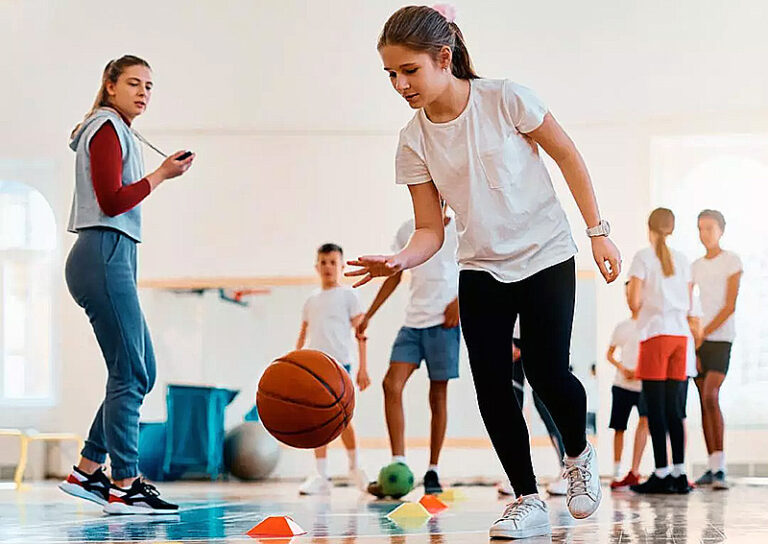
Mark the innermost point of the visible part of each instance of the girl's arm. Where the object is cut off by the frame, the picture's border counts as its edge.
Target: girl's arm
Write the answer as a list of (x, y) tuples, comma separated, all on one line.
[(553, 139), (635, 293), (363, 380), (426, 240), (731, 294)]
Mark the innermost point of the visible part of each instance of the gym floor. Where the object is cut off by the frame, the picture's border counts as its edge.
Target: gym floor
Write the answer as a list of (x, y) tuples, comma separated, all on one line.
[(225, 511)]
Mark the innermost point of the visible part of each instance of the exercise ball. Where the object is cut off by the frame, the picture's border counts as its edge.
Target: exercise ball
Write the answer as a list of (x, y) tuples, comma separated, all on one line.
[(250, 452)]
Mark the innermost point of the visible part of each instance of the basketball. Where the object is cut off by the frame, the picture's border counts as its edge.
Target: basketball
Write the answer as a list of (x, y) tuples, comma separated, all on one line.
[(305, 399)]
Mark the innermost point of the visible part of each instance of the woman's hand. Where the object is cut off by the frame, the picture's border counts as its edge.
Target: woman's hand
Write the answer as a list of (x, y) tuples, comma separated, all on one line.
[(171, 168), (604, 251), (373, 266)]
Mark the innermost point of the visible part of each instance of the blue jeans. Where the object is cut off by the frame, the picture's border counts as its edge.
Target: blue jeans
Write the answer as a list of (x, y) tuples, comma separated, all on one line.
[(101, 276)]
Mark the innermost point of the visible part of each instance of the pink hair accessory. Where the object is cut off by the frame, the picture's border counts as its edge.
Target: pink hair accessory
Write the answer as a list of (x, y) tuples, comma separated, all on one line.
[(447, 11)]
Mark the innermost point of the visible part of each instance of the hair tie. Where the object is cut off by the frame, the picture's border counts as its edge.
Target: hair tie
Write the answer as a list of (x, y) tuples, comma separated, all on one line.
[(447, 11)]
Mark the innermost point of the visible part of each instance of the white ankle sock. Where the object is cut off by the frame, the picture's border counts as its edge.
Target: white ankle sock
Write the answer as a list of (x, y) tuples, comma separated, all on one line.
[(617, 470), (678, 470), (322, 466), (662, 472), (717, 461), (399, 459), (433, 467), (354, 460)]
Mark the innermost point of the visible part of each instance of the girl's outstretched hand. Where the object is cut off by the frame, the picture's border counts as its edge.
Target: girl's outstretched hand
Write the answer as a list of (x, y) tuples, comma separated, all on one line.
[(372, 266)]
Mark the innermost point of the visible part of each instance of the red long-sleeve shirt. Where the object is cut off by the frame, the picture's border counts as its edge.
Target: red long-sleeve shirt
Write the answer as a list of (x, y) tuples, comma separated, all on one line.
[(113, 197)]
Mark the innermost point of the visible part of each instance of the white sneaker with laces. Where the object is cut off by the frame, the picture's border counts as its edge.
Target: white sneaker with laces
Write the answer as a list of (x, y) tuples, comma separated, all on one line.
[(358, 478), (584, 494), (522, 519), (315, 485), (558, 487)]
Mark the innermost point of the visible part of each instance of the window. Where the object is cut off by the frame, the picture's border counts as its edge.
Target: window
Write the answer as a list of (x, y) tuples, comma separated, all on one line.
[(730, 174), (27, 258)]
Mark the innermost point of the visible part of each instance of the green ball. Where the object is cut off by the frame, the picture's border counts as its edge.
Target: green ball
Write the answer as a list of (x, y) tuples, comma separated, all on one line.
[(396, 480)]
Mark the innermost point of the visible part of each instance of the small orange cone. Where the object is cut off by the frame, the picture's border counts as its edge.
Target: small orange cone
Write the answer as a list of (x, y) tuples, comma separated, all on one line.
[(432, 504), (277, 526)]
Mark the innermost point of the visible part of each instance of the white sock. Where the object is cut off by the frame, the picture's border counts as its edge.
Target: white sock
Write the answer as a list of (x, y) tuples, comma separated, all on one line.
[(399, 459), (662, 472), (354, 460), (617, 470), (433, 467), (717, 461), (322, 466), (678, 470)]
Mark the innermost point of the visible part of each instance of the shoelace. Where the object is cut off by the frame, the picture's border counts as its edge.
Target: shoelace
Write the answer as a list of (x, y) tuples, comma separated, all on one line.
[(577, 476), (516, 511), (148, 489)]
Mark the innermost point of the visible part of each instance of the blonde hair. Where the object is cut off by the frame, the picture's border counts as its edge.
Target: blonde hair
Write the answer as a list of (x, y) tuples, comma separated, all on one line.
[(662, 223), (112, 71)]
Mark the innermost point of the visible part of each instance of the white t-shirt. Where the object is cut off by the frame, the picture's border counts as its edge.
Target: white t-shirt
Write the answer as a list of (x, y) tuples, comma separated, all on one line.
[(626, 336), (435, 283), (666, 302), (711, 275), (328, 313), (509, 220)]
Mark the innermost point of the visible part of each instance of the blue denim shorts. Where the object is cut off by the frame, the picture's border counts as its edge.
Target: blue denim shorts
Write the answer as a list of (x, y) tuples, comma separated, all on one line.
[(438, 346)]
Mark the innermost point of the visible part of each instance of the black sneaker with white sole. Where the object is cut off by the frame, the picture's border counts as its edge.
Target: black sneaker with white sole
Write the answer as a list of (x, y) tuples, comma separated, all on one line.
[(91, 487), (140, 498)]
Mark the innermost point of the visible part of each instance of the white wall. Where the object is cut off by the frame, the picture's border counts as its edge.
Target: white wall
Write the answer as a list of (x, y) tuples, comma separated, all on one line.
[(295, 124)]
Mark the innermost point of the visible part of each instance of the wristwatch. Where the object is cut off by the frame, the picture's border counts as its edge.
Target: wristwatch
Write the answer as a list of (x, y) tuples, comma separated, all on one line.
[(602, 229)]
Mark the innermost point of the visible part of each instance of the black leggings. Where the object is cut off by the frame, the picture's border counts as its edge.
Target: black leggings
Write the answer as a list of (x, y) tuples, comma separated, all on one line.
[(545, 304), (665, 401)]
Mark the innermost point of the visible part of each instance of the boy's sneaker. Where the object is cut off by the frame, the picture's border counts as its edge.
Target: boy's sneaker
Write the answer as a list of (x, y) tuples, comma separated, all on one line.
[(91, 487), (655, 485), (628, 480), (375, 489), (315, 485), (522, 519), (705, 479), (140, 498), (718, 480), (432, 483), (358, 478), (584, 491), (558, 487)]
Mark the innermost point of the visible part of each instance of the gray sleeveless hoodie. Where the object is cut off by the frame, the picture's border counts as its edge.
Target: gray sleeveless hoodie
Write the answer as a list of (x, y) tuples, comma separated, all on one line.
[(85, 208)]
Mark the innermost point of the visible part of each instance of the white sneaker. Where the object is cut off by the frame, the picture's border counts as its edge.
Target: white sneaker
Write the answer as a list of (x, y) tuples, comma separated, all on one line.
[(522, 519), (584, 494), (315, 485), (558, 487), (358, 478), (505, 489)]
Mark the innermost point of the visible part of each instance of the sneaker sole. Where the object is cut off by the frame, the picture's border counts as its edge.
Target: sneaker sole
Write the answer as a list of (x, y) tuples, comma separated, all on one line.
[(719, 487), (511, 535), (77, 491), (122, 509), (584, 515)]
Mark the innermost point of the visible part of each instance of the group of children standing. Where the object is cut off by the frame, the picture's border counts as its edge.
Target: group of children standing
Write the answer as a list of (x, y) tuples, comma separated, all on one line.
[(682, 327)]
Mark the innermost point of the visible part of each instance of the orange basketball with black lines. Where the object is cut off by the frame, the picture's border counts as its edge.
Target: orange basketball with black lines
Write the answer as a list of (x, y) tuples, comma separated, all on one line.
[(305, 399)]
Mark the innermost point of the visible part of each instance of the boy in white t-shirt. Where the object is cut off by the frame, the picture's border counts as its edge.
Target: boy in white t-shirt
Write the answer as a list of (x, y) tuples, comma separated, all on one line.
[(430, 333), (717, 275), (330, 316), (626, 394)]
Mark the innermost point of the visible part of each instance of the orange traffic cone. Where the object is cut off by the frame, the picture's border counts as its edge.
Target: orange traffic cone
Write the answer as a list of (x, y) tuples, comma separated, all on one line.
[(432, 504), (277, 526)]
